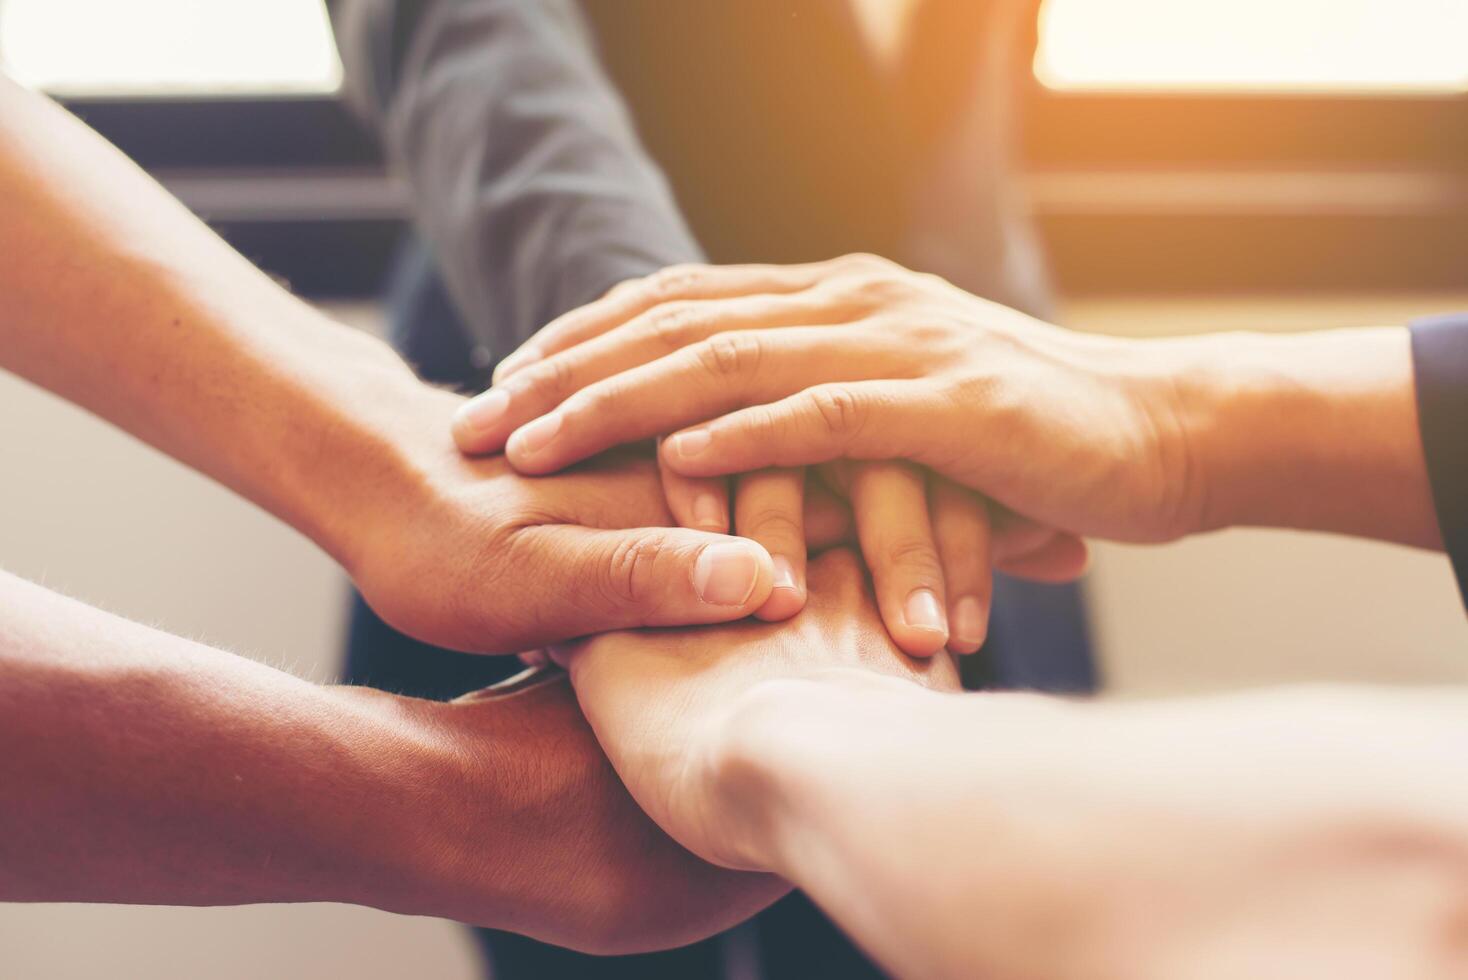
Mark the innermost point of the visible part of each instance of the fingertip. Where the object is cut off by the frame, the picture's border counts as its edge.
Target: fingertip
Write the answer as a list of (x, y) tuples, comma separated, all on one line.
[(970, 619), (683, 452), (476, 423), (924, 628), (918, 643), (1065, 558), (788, 595), (734, 574), (527, 449)]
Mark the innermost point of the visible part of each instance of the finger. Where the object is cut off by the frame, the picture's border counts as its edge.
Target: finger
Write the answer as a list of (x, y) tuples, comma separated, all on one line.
[(609, 580), (1034, 551), (961, 528), (484, 423), (535, 658), (865, 420), (636, 296), (1064, 558), (702, 504), (828, 520), (769, 509), (724, 373), (891, 507)]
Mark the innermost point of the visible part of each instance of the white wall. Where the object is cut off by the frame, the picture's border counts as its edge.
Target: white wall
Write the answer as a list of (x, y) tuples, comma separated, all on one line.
[(94, 514)]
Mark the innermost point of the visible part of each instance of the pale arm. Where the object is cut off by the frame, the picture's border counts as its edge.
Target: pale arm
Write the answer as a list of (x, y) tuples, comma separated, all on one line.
[(1303, 833)]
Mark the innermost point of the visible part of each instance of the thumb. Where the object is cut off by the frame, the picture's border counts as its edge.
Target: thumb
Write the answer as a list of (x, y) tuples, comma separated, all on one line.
[(869, 420), (610, 580)]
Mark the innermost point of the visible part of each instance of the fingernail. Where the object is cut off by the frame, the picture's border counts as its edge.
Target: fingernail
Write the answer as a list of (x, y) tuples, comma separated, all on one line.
[(922, 611), (692, 443), (535, 436), (708, 512), (726, 574), (484, 411), (968, 621), (785, 574)]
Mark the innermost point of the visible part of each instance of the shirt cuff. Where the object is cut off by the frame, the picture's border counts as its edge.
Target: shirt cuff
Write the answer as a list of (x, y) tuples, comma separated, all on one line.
[(1440, 367)]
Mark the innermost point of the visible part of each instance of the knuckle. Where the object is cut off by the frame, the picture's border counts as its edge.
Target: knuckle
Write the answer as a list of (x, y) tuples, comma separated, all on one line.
[(673, 325), (553, 377), (880, 288), (915, 555), (838, 408), (864, 261), (775, 523), (629, 573), (731, 355), (672, 281)]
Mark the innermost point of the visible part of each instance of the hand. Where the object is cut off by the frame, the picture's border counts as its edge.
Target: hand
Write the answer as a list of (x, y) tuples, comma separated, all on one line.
[(872, 362), (663, 703), (930, 543), (467, 554), (576, 864)]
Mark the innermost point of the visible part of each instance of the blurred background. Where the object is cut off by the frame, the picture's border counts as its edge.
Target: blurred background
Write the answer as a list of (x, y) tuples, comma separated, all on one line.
[(1255, 164)]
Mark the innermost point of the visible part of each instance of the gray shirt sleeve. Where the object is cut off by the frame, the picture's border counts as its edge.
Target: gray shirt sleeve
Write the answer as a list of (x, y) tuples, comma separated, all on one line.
[(528, 179)]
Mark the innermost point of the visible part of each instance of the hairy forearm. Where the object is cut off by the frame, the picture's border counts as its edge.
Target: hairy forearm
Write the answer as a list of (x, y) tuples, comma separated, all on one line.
[(118, 299), (1022, 836), (1313, 431), (140, 767)]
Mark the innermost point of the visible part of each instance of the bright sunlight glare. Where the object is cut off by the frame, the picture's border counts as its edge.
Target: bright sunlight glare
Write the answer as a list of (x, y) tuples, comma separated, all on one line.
[(167, 47), (1264, 45)]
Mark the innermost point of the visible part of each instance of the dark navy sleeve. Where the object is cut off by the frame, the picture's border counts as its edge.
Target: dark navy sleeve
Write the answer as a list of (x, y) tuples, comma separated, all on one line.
[(529, 181), (1440, 366)]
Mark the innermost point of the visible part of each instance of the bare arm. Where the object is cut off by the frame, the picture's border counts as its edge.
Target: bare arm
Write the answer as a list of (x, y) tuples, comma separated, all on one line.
[(142, 768), (1300, 833), (1295, 833), (115, 297)]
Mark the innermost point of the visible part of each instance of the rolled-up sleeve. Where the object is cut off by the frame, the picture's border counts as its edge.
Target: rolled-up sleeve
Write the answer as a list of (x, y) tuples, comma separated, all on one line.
[(529, 182), (1440, 367)]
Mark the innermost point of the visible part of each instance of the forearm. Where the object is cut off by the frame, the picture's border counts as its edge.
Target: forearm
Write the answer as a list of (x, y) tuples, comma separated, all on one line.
[(139, 767), (1313, 431), (1023, 836), (120, 300)]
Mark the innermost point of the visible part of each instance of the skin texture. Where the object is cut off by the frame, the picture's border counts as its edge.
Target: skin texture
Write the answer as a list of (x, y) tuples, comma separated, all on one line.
[(1288, 834), (143, 768), (122, 746), (121, 301), (860, 359), (660, 701), (930, 542)]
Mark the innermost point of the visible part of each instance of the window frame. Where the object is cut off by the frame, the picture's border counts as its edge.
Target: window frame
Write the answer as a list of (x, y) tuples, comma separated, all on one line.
[(1387, 207)]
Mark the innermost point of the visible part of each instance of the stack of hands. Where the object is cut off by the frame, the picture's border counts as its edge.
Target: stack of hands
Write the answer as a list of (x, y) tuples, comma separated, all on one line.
[(810, 409), (791, 720)]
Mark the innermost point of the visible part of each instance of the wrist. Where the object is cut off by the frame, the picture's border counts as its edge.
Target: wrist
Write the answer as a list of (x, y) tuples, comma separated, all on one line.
[(377, 431), (401, 841), (782, 754), (1310, 431)]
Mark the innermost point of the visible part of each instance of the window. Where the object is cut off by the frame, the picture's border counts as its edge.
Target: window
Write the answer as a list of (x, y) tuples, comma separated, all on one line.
[(1333, 46), (117, 48)]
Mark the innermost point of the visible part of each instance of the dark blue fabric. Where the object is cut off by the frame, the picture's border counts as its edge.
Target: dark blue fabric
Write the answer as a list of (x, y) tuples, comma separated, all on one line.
[(1440, 366)]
